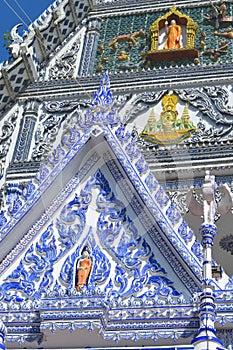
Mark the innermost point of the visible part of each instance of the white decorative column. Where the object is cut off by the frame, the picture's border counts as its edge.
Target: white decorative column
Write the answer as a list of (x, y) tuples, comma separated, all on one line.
[(206, 338)]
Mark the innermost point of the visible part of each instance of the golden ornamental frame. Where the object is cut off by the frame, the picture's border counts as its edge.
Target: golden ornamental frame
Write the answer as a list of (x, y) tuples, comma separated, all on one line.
[(191, 29)]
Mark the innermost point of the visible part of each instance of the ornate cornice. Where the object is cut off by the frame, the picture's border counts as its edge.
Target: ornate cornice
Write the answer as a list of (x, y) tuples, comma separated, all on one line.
[(129, 82), (121, 7)]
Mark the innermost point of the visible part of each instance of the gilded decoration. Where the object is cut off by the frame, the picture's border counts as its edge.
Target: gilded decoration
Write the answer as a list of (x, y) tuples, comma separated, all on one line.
[(172, 36), (169, 129)]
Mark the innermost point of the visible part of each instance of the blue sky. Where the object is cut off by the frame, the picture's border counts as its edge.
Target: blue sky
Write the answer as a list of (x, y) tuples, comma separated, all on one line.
[(8, 19)]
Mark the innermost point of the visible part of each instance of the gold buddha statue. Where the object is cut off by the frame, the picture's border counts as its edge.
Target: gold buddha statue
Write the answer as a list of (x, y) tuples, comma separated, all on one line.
[(169, 129)]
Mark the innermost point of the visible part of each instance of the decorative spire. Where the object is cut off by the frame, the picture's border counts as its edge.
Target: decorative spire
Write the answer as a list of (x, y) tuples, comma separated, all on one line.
[(102, 110), (152, 117), (185, 114)]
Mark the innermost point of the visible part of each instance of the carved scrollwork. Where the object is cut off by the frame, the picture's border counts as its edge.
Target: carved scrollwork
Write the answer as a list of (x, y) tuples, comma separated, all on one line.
[(179, 198), (221, 98), (209, 134), (121, 100), (140, 103), (5, 138), (211, 101), (60, 106), (45, 136), (200, 100), (65, 65)]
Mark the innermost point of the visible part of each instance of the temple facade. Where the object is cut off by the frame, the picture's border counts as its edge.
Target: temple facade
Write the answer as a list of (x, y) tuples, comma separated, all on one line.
[(116, 177)]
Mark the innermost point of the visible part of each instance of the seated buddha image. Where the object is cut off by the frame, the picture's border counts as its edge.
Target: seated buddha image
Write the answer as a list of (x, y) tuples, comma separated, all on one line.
[(168, 119), (169, 129), (169, 102)]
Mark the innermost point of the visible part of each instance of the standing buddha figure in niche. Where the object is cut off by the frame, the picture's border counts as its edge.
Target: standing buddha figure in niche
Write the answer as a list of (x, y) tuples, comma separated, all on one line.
[(172, 37), (173, 32), (83, 269)]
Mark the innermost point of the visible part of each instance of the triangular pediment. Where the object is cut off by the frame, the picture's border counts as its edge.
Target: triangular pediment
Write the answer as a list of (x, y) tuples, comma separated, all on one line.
[(93, 197), (92, 168), (96, 194)]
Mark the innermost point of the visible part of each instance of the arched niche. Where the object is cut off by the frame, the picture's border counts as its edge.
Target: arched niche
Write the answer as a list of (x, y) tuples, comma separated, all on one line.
[(158, 37)]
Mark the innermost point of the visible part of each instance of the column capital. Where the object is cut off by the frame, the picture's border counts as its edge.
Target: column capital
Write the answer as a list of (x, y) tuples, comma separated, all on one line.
[(208, 231)]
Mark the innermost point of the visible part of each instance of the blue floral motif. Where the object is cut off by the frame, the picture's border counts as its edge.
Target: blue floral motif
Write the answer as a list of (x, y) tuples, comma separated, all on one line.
[(13, 193), (185, 232), (56, 156), (72, 209), (28, 191), (47, 281), (47, 247), (18, 280), (197, 249), (101, 268), (73, 220), (173, 214), (72, 137), (121, 279), (42, 174), (151, 182), (67, 270), (161, 197), (132, 150), (141, 166), (122, 135), (35, 266), (118, 233), (68, 235), (3, 219)]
